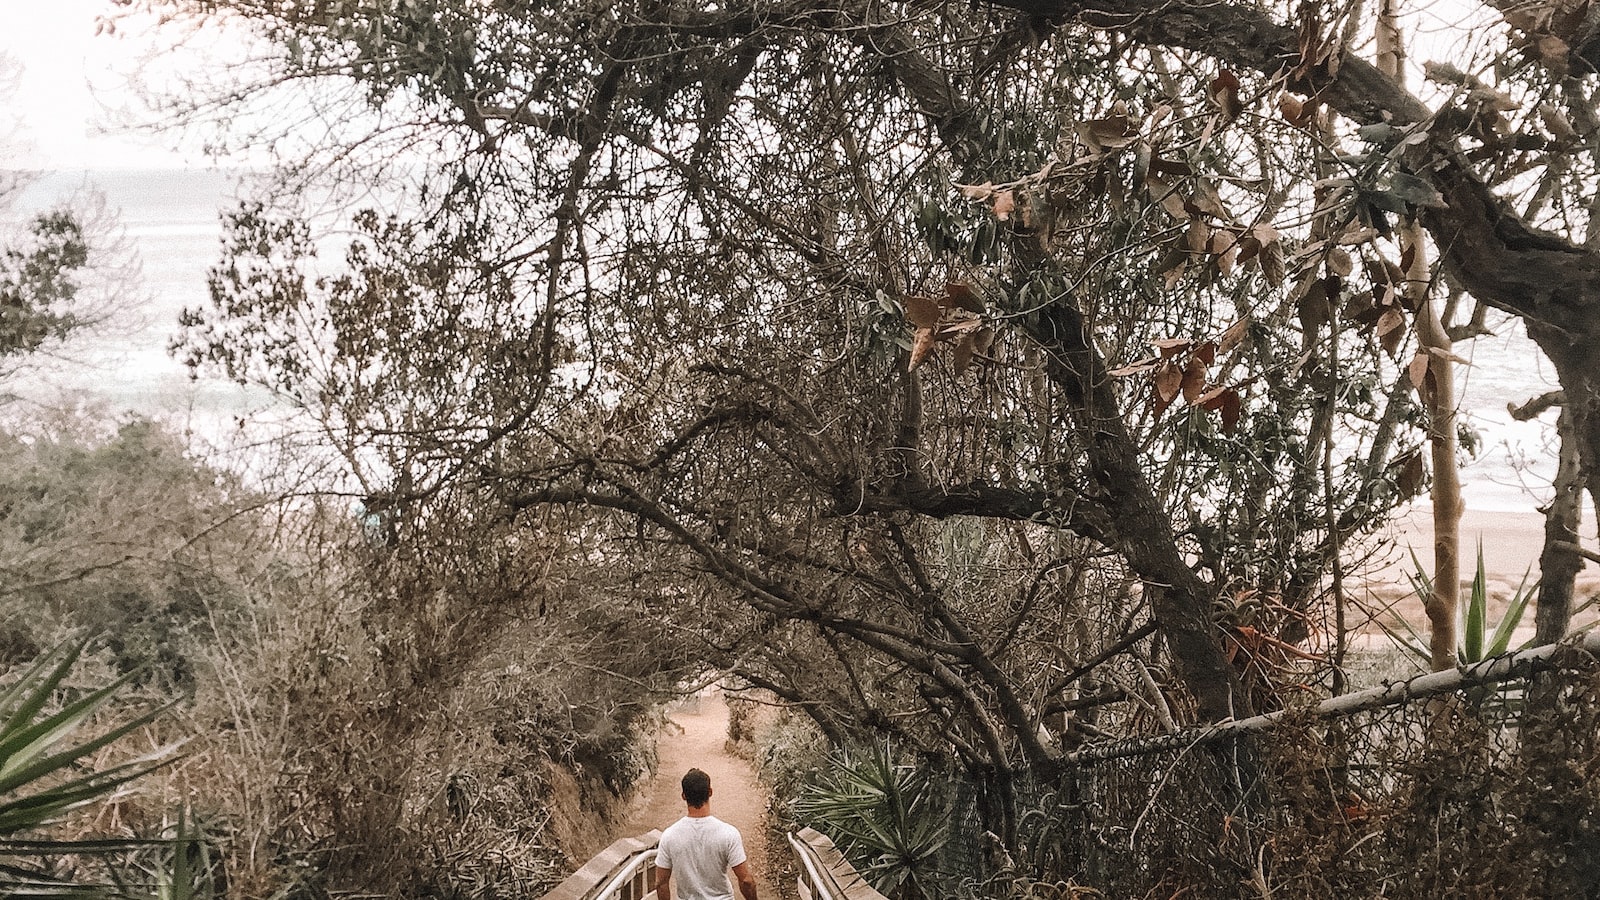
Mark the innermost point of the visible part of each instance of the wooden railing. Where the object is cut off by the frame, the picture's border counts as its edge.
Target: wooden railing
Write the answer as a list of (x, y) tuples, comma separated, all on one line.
[(626, 870), (824, 872)]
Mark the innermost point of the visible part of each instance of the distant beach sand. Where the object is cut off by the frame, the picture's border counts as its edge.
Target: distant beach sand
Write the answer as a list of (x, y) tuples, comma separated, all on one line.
[(1511, 544)]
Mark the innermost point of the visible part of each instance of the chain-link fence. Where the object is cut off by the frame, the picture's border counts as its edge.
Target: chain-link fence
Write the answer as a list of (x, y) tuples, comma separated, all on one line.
[(1486, 786)]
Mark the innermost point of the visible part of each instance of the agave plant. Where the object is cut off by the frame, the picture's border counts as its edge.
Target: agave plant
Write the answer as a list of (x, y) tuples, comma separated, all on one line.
[(1475, 642), (42, 777), (887, 819)]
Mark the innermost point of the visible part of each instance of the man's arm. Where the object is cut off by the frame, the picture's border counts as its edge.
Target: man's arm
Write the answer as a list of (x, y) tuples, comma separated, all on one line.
[(747, 882), (663, 884)]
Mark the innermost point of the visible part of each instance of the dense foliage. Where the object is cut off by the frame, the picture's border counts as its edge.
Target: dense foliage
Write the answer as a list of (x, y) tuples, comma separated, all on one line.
[(989, 377)]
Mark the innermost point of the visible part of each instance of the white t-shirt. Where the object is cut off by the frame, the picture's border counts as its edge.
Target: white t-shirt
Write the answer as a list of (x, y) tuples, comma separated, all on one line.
[(700, 850)]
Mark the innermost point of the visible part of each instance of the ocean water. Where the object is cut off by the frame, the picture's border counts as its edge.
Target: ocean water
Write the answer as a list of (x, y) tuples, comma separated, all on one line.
[(169, 227), (157, 233)]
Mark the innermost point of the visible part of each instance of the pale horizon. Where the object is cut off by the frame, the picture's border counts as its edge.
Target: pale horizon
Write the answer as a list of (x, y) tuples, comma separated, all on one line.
[(66, 86)]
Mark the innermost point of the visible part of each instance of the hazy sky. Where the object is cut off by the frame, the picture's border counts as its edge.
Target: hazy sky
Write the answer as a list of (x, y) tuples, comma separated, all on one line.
[(68, 78)]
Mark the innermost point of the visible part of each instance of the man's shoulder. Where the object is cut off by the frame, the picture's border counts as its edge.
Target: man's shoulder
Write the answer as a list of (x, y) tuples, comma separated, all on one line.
[(727, 832), (701, 828)]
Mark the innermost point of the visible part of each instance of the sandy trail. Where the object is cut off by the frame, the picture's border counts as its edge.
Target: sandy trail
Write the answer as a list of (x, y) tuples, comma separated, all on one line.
[(696, 737)]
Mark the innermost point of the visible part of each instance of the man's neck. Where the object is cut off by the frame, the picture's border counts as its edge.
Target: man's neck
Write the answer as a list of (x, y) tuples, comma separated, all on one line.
[(699, 812)]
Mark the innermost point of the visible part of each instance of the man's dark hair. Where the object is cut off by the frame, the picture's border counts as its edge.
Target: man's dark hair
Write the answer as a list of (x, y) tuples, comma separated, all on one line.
[(696, 788)]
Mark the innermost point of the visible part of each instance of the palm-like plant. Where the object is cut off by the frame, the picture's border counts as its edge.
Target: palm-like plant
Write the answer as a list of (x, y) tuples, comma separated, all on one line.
[(1476, 642), (42, 777), (887, 819)]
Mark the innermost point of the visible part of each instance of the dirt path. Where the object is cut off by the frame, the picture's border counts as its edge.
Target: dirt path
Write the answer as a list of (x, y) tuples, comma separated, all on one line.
[(696, 737)]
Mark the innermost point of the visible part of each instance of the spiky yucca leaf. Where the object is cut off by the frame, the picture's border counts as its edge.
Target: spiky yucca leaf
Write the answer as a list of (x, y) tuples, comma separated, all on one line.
[(1474, 643), (41, 778), (886, 818)]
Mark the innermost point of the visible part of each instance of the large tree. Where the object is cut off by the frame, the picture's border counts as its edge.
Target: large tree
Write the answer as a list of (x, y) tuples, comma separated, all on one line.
[(798, 287)]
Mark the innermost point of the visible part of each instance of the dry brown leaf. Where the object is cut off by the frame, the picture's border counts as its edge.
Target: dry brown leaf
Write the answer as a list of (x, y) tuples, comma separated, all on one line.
[(1390, 334), (962, 296), (1232, 411), (1206, 352), (982, 340), (1339, 262), (1391, 320), (921, 346), (1417, 371), (1233, 336), (963, 354), (1198, 237), (1004, 203), (1249, 248), (1168, 381), (1222, 240), (1206, 200), (1271, 257), (1225, 91), (1226, 260), (1194, 379), (923, 312), (1227, 402), (1164, 193), (1170, 347)]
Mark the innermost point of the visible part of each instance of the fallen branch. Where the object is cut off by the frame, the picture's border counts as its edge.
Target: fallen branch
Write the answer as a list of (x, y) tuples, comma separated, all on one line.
[(1499, 668)]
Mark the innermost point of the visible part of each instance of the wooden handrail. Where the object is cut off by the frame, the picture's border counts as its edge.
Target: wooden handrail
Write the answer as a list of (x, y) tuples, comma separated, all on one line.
[(623, 871), (824, 872), (626, 871)]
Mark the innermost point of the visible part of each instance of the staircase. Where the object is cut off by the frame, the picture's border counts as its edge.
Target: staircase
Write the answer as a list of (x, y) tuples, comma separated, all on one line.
[(626, 870)]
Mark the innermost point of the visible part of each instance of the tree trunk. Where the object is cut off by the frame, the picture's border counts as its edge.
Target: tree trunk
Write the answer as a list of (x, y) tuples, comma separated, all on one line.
[(1140, 528), (1438, 394), (1558, 563)]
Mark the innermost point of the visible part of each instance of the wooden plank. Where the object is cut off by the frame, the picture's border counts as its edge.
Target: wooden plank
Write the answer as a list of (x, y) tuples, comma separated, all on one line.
[(801, 889), (835, 866), (594, 873)]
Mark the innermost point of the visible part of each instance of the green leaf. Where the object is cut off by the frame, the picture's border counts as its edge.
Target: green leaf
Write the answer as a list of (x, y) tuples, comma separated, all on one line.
[(42, 778), (1501, 641), (1385, 200), (1415, 191), (1477, 610)]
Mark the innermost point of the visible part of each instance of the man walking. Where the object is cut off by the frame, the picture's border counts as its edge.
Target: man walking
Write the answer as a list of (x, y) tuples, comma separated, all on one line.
[(700, 849)]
